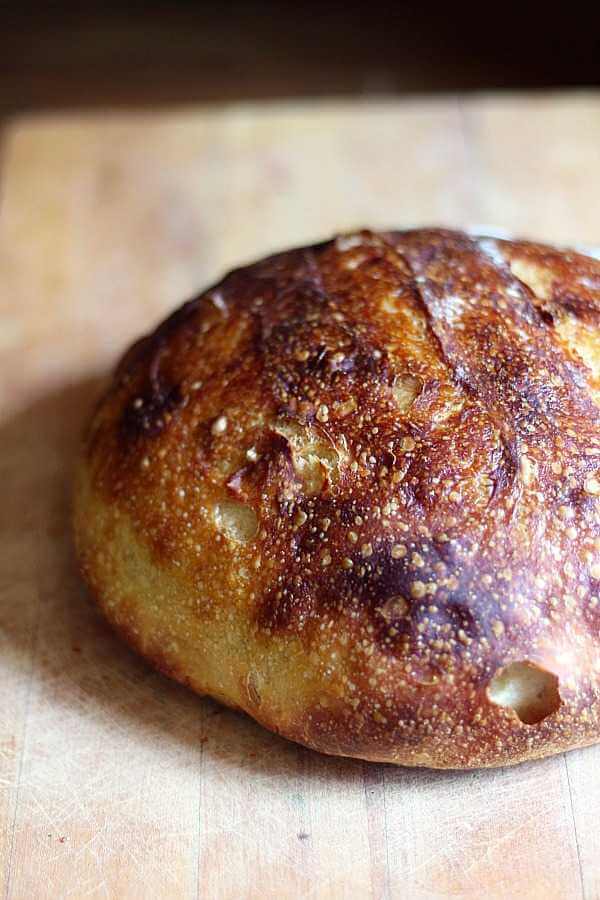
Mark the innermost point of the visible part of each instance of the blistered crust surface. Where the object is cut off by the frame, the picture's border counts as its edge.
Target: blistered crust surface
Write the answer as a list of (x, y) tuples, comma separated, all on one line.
[(371, 469)]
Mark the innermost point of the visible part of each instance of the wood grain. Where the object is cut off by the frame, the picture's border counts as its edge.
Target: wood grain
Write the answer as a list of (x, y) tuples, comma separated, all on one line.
[(113, 781)]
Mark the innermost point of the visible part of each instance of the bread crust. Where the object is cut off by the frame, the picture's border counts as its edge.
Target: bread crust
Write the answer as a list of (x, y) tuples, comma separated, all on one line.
[(353, 490)]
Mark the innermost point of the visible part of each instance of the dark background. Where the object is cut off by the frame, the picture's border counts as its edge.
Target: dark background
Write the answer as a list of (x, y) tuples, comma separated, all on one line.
[(67, 55)]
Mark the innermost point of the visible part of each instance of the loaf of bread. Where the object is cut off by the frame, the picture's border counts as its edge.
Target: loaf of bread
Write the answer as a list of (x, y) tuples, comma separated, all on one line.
[(354, 491)]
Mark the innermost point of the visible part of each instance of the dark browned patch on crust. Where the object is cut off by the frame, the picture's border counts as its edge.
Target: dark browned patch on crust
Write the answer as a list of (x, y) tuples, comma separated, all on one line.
[(147, 349), (505, 357), (145, 415)]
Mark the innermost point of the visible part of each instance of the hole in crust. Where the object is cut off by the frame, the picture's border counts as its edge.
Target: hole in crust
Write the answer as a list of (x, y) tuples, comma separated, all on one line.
[(314, 460), (236, 520), (538, 279), (527, 689), (406, 389), (582, 342)]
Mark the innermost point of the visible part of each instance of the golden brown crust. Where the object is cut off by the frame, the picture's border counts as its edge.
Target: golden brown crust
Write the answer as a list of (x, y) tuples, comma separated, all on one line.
[(353, 489)]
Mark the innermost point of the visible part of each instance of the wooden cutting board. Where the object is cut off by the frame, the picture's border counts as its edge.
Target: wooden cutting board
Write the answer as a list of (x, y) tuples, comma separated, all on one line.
[(113, 781)]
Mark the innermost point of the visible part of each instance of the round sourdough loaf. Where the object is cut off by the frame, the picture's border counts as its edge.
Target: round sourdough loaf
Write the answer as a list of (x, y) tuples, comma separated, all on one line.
[(353, 490)]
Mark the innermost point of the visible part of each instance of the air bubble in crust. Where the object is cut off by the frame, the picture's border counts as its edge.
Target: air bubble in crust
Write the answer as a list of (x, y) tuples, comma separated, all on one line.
[(530, 691), (394, 608), (314, 459), (406, 389), (236, 520), (536, 277)]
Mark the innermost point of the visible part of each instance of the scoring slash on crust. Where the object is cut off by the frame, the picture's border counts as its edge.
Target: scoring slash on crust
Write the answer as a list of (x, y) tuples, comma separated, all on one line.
[(353, 490)]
